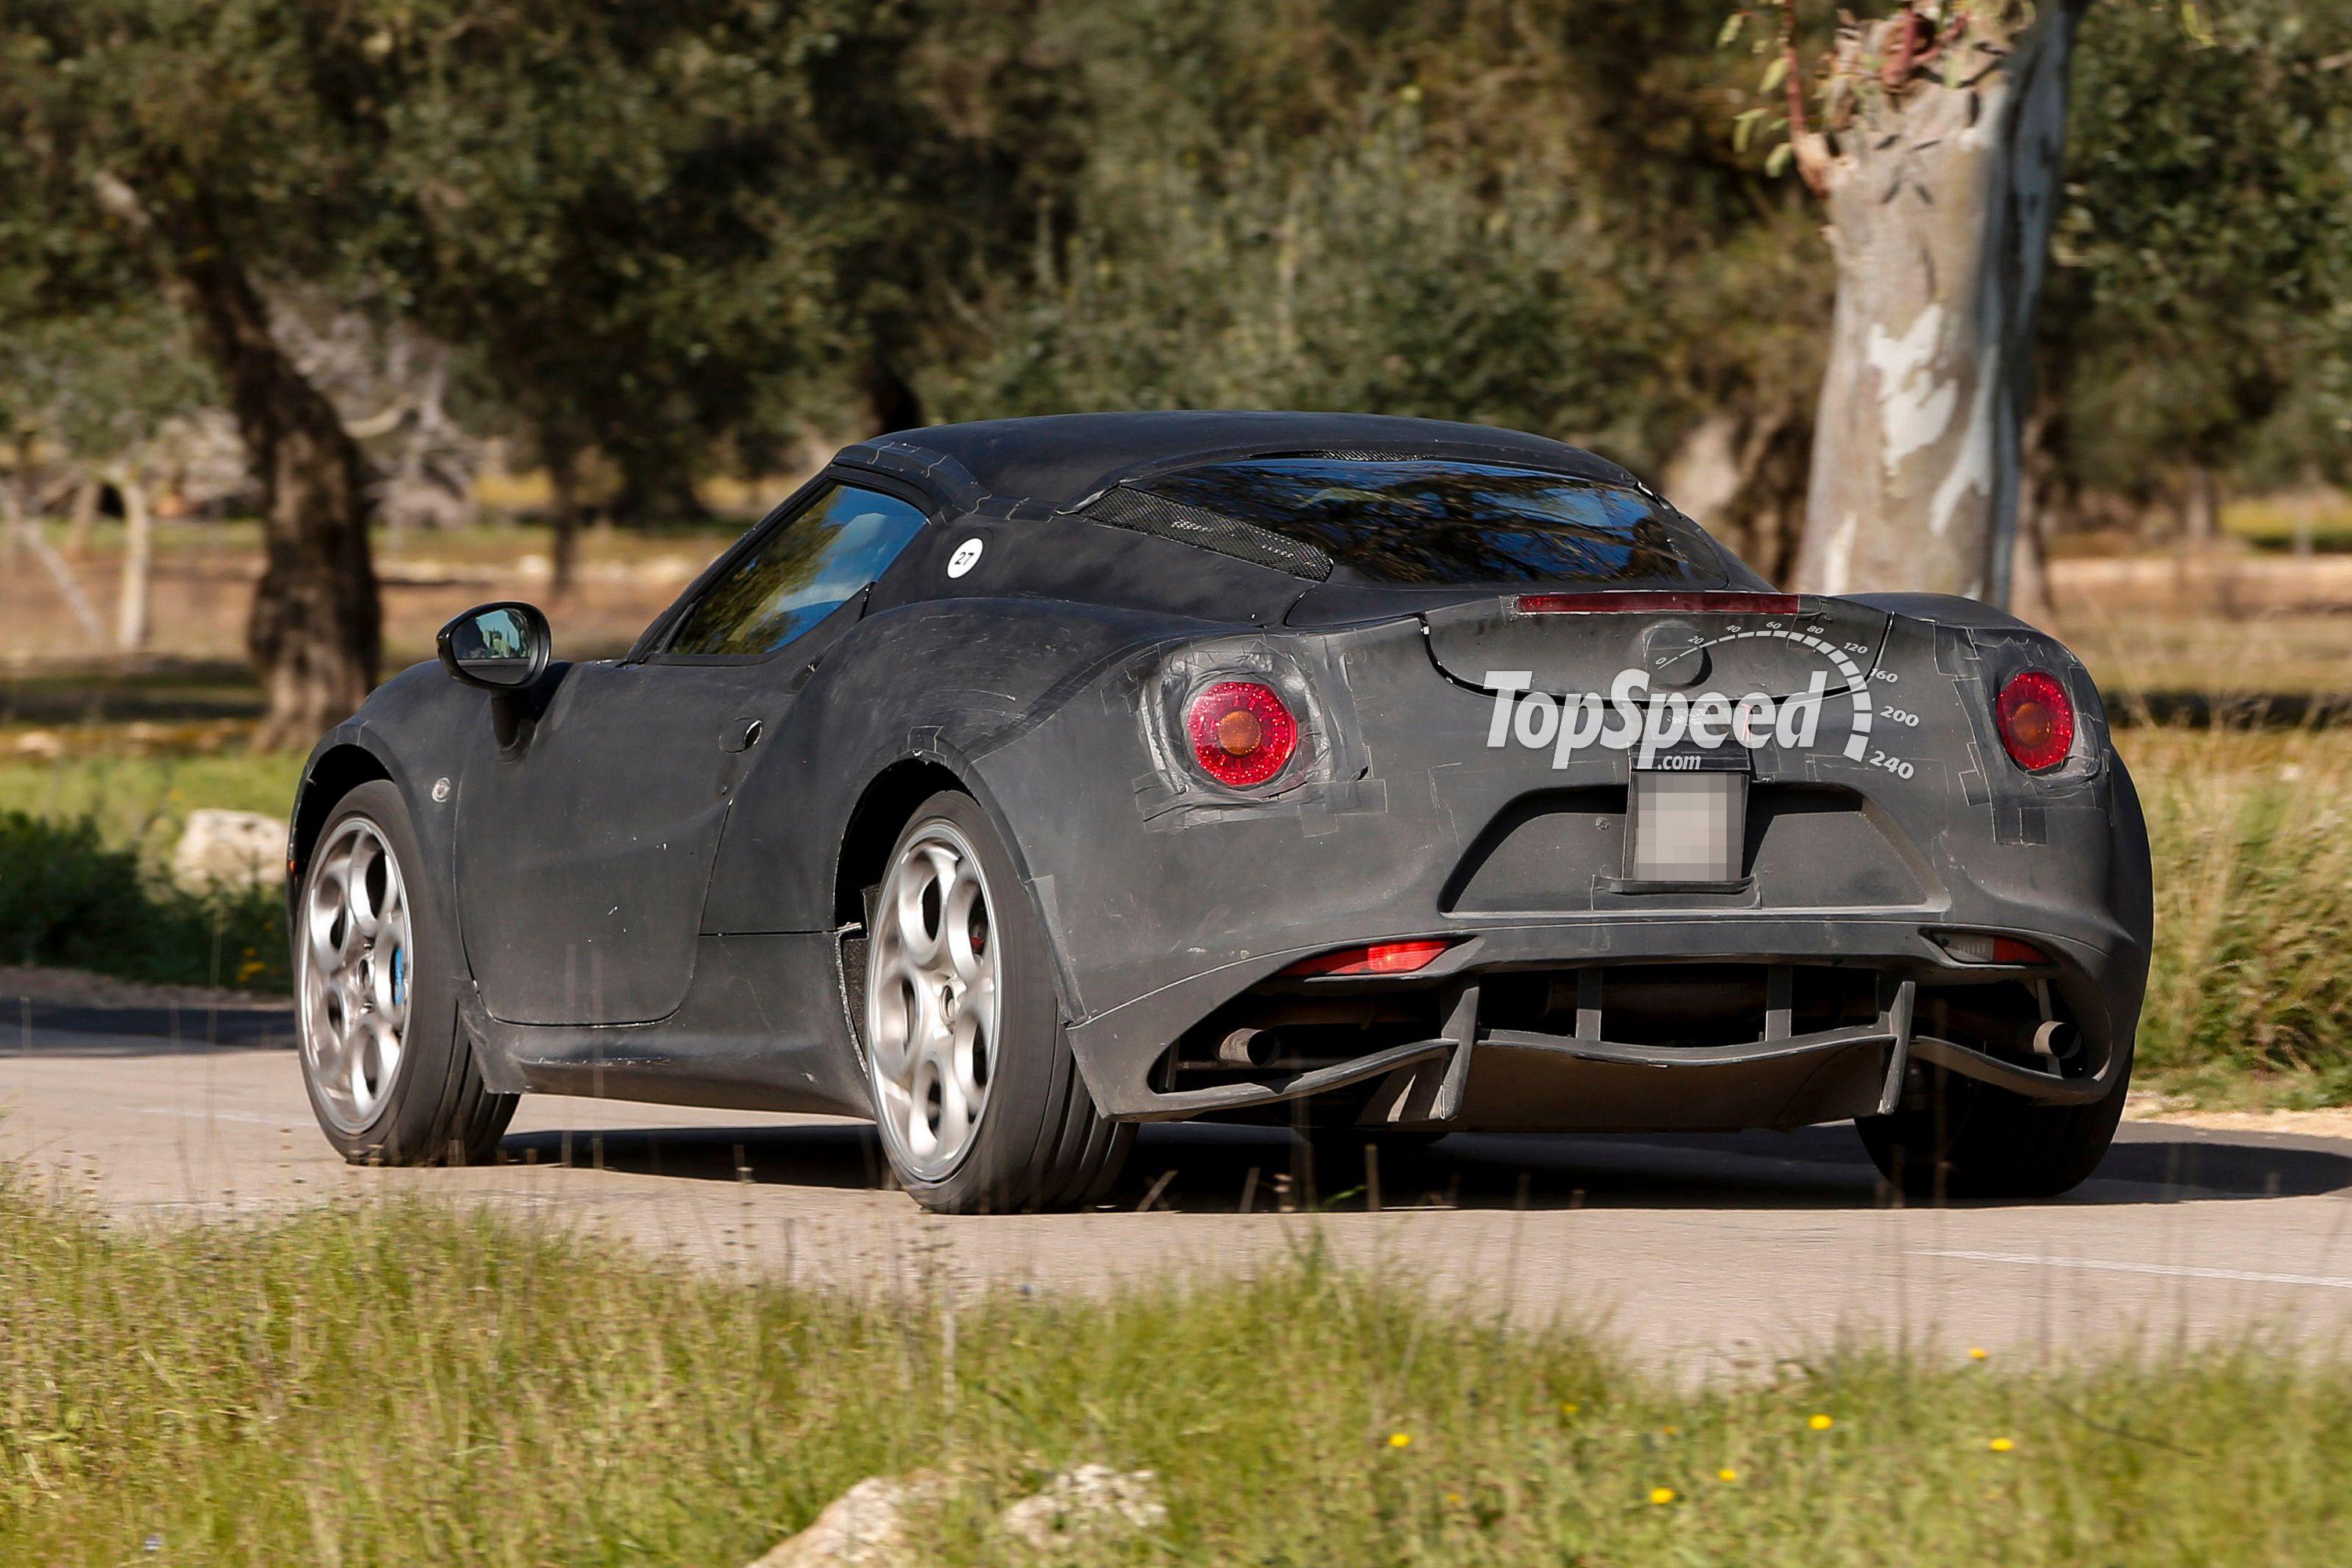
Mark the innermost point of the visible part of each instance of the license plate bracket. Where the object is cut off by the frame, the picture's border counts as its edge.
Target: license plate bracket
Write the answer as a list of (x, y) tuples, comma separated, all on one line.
[(1687, 821)]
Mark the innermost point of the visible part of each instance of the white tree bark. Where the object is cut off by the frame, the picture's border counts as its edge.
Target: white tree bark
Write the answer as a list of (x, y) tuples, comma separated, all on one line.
[(131, 617), (24, 532), (1940, 200)]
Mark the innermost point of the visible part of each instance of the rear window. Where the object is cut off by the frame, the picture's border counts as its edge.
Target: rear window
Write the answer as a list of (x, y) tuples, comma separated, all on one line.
[(1445, 523)]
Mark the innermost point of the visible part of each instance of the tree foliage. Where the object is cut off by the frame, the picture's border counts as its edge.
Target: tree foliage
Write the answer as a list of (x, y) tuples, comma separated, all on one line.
[(683, 236), (2206, 252)]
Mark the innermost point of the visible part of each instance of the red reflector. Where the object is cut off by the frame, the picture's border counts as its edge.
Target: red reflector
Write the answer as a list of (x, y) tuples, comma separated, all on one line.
[(1975, 947), (1380, 958), (2036, 719), (1653, 603), (1241, 732)]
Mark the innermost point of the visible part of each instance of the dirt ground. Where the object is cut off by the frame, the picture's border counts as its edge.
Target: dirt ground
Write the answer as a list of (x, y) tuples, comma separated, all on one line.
[(204, 575), (2230, 621)]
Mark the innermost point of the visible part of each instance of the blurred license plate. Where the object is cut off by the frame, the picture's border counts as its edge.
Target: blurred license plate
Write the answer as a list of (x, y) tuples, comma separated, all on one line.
[(1687, 825)]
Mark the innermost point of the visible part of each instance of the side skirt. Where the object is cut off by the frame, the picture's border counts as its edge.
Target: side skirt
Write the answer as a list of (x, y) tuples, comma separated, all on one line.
[(761, 1028)]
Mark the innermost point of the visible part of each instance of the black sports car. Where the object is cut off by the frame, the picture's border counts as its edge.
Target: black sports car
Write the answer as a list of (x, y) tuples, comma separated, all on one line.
[(1018, 781)]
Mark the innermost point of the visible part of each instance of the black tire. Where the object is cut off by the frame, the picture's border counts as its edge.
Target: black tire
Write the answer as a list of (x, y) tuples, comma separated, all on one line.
[(435, 1108), (1973, 1141), (1037, 1142)]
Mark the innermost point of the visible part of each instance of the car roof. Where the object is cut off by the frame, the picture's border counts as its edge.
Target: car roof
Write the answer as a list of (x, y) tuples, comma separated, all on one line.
[(1048, 463)]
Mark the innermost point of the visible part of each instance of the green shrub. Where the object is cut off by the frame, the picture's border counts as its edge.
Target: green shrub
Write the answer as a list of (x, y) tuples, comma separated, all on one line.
[(68, 898)]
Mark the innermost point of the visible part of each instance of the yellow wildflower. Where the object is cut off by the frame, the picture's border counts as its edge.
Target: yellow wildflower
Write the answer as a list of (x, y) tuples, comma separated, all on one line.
[(2001, 1445), (1820, 1423), (1400, 1439), (1662, 1495)]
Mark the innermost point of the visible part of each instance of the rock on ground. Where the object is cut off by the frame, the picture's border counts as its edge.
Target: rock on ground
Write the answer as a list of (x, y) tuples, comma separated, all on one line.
[(867, 1526), (1087, 1503), (230, 848)]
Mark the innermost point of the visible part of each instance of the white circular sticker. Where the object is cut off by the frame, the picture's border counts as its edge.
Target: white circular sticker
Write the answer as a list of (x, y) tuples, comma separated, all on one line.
[(966, 556)]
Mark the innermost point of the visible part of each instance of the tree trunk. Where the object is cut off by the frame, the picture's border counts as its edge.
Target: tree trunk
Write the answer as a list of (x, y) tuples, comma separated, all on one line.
[(892, 404), (1741, 476), (2029, 594), (2200, 509), (23, 530), (316, 629), (563, 477), (84, 516), (130, 615), (656, 484), (1940, 200)]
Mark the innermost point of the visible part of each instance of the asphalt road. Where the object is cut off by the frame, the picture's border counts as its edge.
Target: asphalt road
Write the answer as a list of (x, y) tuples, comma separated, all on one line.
[(1702, 1255)]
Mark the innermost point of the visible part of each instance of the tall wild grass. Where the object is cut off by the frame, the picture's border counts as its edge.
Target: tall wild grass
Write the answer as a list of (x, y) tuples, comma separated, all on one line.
[(2250, 994), (390, 1382)]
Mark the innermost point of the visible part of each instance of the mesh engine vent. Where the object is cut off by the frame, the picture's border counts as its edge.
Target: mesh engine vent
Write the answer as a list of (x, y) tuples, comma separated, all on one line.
[(1353, 454), (1123, 508)]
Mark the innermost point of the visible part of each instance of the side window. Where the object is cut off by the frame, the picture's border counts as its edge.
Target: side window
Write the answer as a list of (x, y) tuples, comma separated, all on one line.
[(798, 573)]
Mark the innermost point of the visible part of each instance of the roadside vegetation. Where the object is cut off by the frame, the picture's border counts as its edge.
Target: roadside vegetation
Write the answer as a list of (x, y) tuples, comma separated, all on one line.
[(2249, 997), (70, 899), (395, 1383)]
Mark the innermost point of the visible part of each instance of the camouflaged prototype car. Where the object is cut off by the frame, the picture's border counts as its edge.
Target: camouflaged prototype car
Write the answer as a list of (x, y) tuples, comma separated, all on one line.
[(1018, 781)]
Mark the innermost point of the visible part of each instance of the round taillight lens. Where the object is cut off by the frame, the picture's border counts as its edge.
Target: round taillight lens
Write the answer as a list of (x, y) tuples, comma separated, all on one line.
[(2036, 719), (1241, 735)]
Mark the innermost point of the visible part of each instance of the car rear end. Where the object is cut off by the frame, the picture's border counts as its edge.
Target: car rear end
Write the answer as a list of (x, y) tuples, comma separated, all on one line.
[(1580, 856)]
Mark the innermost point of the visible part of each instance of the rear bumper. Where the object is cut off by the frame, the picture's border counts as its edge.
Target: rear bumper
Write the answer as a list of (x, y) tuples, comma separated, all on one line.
[(1589, 1067)]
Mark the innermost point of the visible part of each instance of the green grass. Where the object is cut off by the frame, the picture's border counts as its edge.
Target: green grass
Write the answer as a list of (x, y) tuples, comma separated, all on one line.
[(139, 796), (2270, 523), (393, 1383)]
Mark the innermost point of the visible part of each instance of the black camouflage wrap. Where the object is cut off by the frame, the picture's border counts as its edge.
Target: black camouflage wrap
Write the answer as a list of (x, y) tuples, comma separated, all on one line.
[(657, 873)]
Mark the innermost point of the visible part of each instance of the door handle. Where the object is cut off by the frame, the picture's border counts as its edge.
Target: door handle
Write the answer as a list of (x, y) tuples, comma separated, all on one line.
[(741, 735)]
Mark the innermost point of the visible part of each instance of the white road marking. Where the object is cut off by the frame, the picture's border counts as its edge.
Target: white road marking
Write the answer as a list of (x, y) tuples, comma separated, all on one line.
[(209, 1114), (2170, 1270)]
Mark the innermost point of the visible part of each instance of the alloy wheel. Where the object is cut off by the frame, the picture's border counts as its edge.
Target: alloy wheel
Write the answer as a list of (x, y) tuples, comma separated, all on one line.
[(353, 951), (932, 1002)]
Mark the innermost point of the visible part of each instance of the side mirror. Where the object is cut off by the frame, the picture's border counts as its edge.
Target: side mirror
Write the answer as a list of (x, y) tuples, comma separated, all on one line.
[(499, 648)]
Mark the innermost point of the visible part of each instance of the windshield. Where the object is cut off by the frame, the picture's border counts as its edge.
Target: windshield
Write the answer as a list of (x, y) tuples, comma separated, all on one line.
[(1444, 523)]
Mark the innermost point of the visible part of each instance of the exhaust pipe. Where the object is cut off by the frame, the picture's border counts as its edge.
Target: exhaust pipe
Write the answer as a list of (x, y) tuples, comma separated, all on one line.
[(2057, 1039), (1245, 1048)]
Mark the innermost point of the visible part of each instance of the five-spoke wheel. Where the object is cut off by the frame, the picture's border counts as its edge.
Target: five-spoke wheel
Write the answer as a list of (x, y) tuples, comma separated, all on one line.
[(391, 1072), (353, 961), (932, 1001), (979, 1095)]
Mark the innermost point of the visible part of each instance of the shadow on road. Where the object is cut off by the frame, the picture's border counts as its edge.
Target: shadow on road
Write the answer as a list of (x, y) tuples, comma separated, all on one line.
[(1212, 1170), (59, 1029)]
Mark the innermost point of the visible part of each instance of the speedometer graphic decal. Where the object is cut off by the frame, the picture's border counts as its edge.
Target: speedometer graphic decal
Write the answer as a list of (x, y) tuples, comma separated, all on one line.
[(1858, 742)]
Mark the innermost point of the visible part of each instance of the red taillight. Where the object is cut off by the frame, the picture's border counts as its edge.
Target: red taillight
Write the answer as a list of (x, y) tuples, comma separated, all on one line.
[(1241, 735), (1380, 958), (2036, 719), (1975, 947), (1640, 602)]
